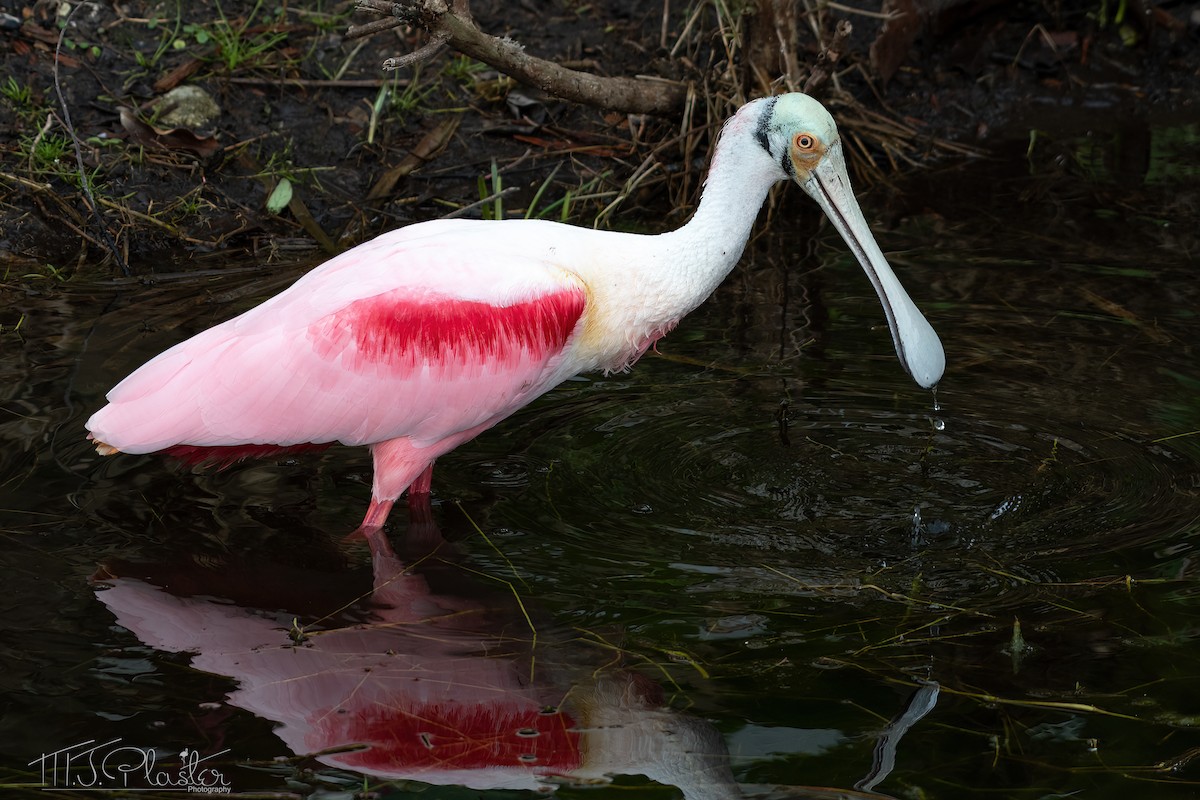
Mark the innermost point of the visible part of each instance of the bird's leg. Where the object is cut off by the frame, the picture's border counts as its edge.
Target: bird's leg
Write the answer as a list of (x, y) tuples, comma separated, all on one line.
[(377, 514), (423, 482), (420, 512), (398, 466), (418, 503)]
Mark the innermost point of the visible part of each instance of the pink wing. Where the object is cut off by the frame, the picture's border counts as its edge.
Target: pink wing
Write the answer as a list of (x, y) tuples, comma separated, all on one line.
[(423, 333)]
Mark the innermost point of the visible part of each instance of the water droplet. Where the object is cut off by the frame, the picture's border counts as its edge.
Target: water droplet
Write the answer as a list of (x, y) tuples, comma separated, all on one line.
[(918, 532), (939, 424)]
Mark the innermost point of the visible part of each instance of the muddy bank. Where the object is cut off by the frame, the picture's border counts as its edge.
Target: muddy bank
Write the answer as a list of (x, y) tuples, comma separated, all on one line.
[(306, 145)]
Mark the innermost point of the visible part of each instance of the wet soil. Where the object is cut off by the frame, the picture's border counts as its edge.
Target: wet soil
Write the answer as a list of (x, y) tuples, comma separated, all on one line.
[(301, 106)]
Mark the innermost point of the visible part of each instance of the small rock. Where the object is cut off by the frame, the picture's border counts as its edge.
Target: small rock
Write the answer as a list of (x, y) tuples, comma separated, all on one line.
[(188, 107)]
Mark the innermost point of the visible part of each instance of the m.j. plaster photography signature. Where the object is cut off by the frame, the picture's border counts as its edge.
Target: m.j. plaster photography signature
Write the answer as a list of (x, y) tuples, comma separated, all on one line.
[(113, 765)]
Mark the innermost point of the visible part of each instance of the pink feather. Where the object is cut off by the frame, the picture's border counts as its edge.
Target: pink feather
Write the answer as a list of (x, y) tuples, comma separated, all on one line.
[(410, 359)]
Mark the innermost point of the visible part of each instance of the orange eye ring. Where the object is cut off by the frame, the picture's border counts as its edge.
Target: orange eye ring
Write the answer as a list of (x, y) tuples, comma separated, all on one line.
[(805, 142)]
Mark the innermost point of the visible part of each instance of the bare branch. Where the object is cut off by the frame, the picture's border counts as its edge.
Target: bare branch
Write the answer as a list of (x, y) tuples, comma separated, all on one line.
[(395, 15), (454, 28), (372, 28), (830, 53), (426, 52)]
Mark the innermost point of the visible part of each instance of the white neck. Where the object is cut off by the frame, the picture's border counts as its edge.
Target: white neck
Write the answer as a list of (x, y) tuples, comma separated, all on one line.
[(701, 253), (641, 286)]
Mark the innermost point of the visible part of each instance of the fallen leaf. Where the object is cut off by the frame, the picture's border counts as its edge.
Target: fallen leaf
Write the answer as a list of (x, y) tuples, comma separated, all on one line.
[(172, 140), (280, 197)]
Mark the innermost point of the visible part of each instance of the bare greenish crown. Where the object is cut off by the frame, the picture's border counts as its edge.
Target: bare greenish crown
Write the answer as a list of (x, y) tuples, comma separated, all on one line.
[(784, 116)]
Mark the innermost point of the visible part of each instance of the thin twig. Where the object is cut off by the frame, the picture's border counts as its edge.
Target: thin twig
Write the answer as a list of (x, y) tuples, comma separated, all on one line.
[(321, 83), (426, 52), (84, 181), (37, 140), (458, 212), (862, 12), (372, 28)]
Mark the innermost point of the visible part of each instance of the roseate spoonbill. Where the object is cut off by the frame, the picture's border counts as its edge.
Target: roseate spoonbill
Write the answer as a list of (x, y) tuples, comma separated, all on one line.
[(424, 337)]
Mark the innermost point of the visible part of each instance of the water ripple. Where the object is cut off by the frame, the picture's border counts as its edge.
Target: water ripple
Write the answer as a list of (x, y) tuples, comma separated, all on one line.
[(992, 501)]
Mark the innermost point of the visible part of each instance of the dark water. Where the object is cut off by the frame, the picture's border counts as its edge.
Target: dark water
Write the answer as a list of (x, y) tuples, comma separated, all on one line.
[(759, 564)]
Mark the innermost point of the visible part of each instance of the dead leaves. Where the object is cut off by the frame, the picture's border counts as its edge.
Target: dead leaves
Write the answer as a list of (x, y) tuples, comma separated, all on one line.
[(172, 140)]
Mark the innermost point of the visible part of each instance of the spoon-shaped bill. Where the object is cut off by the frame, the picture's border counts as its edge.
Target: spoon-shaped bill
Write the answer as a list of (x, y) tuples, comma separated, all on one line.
[(917, 344)]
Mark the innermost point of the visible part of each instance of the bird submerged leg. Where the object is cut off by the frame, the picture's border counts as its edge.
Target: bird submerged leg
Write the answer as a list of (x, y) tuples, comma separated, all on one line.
[(398, 466), (377, 514), (422, 531)]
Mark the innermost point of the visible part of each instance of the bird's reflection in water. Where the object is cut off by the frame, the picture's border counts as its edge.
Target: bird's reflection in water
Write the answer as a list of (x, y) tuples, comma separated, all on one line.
[(438, 677)]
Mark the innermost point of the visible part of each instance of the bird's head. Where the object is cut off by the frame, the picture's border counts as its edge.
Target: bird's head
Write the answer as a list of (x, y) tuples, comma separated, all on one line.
[(801, 137)]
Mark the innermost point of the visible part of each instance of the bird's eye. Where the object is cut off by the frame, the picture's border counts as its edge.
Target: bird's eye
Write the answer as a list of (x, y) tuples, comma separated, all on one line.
[(805, 142)]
